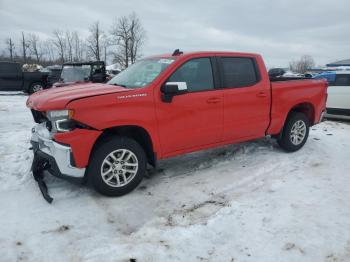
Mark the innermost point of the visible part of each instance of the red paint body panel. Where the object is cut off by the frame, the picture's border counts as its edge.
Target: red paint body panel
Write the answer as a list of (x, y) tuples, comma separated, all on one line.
[(81, 141), (58, 98), (192, 121), (288, 94)]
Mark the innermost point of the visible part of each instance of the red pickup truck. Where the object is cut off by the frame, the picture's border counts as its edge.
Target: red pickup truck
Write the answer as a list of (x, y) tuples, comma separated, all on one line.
[(165, 106)]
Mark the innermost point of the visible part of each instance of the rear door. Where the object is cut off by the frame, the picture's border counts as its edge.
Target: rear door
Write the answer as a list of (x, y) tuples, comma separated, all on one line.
[(10, 76), (246, 98), (339, 92), (195, 118)]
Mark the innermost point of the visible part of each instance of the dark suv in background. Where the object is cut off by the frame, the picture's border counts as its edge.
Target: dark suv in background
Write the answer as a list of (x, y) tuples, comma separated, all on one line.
[(54, 72)]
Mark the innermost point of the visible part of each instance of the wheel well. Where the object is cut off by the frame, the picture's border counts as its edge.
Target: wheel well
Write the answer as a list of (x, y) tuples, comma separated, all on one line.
[(307, 109), (137, 133)]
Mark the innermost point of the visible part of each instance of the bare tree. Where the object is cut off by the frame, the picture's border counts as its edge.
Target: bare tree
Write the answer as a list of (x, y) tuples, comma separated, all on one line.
[(129, 36), (49, 50), (120, 32), (25, 47), (78, 46), (301, 66), (35, 46), (94, 41), (137, 37), (59, 42), (69, 47), (10, 47)]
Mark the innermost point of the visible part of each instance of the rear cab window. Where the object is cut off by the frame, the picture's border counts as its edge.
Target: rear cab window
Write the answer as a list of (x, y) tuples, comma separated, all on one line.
[(9, 68), (238, 72)]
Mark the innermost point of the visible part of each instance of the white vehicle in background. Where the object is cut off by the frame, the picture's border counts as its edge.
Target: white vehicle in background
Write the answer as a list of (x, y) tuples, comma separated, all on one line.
[(338, 102)]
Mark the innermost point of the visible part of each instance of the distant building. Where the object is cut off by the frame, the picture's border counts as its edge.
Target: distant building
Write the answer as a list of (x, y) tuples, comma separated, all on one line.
[(339, 63)]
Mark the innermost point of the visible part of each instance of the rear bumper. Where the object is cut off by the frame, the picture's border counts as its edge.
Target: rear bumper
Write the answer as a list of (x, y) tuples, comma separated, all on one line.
[(323, 114), (59, 156)]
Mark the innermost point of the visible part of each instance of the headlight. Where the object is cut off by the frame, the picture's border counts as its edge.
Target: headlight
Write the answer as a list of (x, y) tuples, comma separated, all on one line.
[(64, 125), (61, 120), (59, 114)]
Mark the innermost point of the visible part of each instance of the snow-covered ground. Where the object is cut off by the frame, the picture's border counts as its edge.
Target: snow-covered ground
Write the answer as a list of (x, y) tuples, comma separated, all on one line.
[(246, 202)]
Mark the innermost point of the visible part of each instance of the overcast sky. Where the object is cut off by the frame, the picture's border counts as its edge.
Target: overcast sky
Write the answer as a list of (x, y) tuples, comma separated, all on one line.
[(280, 30)]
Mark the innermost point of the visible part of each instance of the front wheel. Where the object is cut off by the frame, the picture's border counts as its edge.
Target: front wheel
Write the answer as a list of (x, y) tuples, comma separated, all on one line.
[(117, 166), (295, 132)]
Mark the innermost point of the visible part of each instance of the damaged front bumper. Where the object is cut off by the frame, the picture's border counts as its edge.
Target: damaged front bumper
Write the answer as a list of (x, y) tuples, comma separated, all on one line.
[(54, 157)]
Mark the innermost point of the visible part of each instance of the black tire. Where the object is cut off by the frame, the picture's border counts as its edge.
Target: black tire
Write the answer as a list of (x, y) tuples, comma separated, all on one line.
[(285, 139), (34, 87), (105, 148)]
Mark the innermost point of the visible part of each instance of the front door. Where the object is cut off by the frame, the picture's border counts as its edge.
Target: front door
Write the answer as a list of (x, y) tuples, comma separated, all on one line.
[(195, 118)]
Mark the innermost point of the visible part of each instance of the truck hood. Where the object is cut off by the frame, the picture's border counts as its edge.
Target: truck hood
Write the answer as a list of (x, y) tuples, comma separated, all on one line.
[(58, 98)]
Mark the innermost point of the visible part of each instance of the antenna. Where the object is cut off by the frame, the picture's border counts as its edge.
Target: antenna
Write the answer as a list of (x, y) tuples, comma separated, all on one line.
[(177, 52)]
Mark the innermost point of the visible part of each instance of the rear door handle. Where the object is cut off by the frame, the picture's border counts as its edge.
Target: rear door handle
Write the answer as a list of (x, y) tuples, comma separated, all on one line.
[(213, 100), (261, 94)]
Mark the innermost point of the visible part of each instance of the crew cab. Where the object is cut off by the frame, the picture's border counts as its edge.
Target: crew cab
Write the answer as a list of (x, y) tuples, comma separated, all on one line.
[(82, 72), (165, 106), (12, 78)]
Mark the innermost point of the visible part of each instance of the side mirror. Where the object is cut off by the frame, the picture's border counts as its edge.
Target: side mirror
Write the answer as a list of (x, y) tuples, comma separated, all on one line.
[(171, 89)]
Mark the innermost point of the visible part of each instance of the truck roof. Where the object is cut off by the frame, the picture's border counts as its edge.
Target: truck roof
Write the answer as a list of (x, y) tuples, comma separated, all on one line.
[(209, 53), (85, 63)]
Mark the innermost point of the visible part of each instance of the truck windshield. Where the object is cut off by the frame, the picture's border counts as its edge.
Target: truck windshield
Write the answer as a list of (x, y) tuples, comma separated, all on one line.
[(75, 73), (141, 73)]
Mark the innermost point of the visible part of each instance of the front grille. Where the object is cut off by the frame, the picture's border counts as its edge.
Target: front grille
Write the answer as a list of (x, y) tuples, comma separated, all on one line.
[(38, 116)]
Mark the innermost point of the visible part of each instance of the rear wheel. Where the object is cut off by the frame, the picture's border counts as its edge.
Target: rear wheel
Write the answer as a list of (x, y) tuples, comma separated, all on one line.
[(35, 87), (295, 132), (117, 166)]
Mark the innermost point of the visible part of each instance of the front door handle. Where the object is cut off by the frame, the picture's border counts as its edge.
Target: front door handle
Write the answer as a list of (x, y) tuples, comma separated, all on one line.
[(213, 100), (261, 94)]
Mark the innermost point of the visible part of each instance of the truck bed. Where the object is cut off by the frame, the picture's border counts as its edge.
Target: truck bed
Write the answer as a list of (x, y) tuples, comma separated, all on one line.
[(283, 78), (286, 94)]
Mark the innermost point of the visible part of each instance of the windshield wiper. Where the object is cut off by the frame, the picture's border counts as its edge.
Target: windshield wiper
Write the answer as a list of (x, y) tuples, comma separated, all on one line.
[(120, 85)]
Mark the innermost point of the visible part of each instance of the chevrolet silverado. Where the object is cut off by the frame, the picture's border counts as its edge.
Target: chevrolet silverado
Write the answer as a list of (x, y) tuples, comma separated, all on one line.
[(165, 106)]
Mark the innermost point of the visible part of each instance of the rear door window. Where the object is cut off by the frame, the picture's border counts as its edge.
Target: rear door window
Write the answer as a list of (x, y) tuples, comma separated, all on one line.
[(238, 72), (342, 80)]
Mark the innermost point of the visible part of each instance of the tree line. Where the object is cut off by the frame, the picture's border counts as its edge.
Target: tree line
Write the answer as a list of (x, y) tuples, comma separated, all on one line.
[(122, 44), (305, 63)]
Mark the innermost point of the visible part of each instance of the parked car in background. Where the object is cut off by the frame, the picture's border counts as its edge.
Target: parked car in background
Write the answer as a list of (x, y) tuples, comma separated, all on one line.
[(338, 103), (12, 78), (165, 106), (75, 73), (112, 71), (54, 73)]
